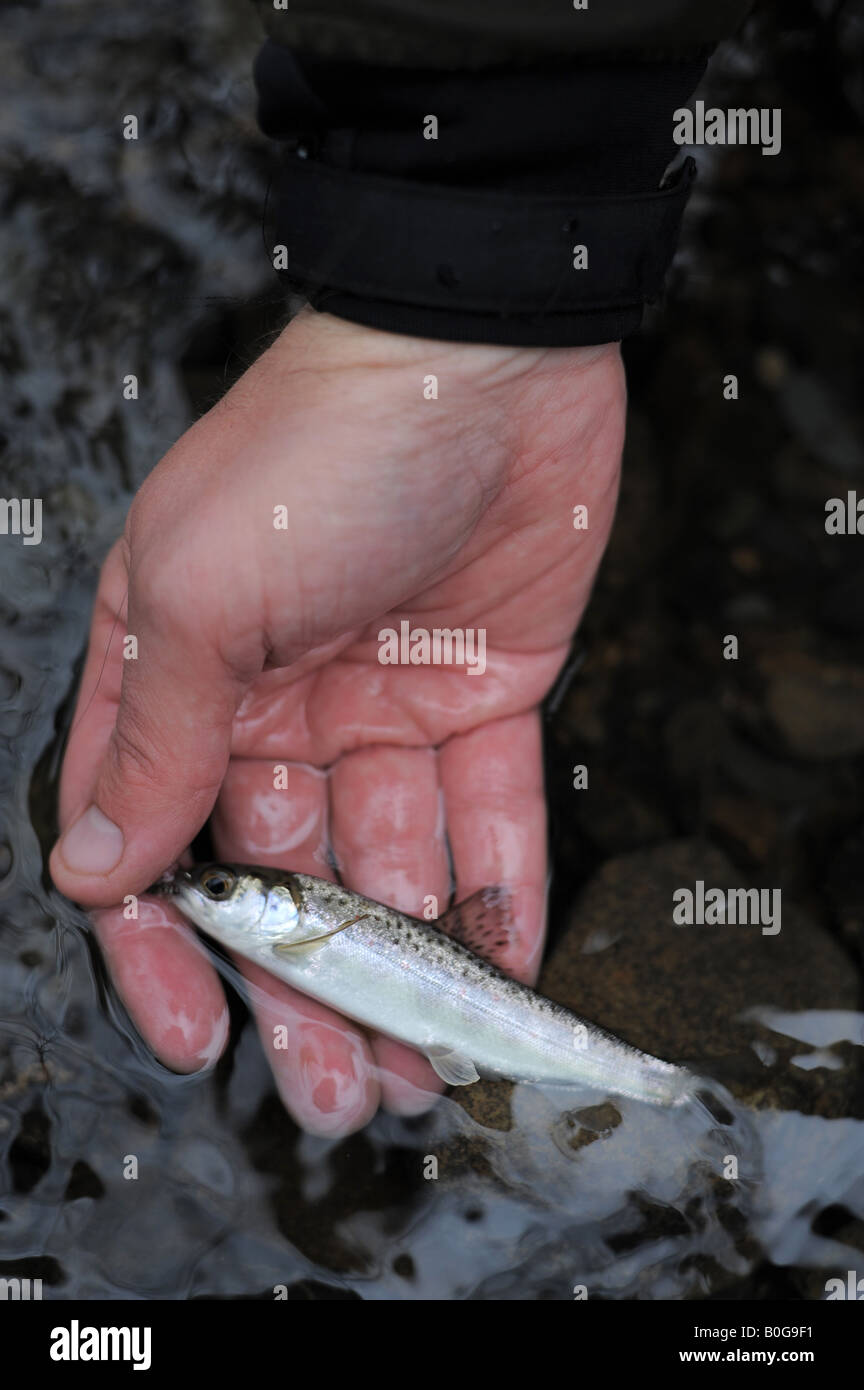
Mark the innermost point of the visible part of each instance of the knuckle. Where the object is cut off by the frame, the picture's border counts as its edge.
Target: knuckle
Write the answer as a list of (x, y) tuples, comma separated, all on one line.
[(134, 758), (154, 593), (154, 577), (139, 759)]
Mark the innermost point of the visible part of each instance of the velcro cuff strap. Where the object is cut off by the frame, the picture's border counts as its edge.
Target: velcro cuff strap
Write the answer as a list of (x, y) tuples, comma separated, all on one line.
[(475, 251)]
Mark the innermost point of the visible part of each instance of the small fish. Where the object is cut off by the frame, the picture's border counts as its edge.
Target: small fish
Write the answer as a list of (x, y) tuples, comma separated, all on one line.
[(424, 983)]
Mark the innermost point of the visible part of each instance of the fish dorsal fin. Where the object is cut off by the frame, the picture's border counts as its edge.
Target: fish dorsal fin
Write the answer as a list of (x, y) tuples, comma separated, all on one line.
[(482, 923)]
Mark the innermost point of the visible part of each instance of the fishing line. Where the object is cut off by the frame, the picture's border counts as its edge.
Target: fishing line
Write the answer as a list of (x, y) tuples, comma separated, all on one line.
[(102, 667)]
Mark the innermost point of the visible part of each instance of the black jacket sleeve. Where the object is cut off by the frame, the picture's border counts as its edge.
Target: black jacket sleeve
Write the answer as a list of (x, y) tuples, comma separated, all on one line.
[(485, 170)]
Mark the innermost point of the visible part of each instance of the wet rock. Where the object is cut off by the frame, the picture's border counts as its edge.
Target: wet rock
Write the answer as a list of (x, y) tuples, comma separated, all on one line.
[(682, 992), (705, 751), (818, 708), (488, 1103), (747, 823), (845, 887), (842, 606), (815, 415), (615, 817), (697, 738)]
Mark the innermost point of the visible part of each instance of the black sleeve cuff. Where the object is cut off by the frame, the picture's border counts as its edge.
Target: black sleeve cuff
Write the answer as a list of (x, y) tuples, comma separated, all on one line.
[(539, 216)]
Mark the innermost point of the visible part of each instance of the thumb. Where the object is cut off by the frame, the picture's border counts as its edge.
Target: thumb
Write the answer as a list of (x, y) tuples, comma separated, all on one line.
[(163, 765)]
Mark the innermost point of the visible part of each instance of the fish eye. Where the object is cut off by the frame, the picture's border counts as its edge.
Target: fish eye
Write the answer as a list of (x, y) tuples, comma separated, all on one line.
[(218, 883)]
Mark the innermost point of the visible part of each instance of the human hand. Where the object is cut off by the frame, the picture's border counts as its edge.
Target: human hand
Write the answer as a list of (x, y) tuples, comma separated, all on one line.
[(257, 648)]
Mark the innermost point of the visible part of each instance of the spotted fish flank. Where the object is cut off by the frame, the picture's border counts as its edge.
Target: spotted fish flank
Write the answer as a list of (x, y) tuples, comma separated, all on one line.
[(426, 984)]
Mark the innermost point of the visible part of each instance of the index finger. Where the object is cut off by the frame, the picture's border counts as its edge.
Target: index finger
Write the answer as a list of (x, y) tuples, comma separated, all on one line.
[(169, 988)]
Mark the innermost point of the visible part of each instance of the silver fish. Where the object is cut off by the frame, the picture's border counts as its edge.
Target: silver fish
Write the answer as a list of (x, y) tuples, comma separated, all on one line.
[(423, 983)]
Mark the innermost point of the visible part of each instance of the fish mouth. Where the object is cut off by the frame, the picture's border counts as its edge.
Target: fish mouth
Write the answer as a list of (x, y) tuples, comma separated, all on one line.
[(169, 883)]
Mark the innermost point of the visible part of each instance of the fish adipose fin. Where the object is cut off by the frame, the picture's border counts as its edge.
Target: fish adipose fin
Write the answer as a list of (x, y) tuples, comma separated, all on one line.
[(452, 1067), (308, 943), (482, 923)]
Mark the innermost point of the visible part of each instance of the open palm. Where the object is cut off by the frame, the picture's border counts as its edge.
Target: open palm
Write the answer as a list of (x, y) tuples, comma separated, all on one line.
[(330, 495)]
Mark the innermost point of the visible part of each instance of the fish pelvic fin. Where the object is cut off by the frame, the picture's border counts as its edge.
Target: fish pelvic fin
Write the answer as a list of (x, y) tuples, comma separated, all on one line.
[(309, 943), (452, 1067), (483, 923)]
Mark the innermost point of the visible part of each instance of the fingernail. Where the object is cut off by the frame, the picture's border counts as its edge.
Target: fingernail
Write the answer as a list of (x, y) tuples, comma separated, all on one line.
[(93, 845)]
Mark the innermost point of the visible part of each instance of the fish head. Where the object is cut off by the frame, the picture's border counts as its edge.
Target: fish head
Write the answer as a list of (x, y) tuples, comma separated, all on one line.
[(235, 903)]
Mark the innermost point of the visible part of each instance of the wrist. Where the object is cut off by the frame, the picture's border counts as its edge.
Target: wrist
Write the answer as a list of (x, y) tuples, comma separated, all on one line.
[(341, 342)]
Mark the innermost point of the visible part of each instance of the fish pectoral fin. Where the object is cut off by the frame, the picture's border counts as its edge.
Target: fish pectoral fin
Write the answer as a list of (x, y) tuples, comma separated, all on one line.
[(453, 1067), (306, 943)]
